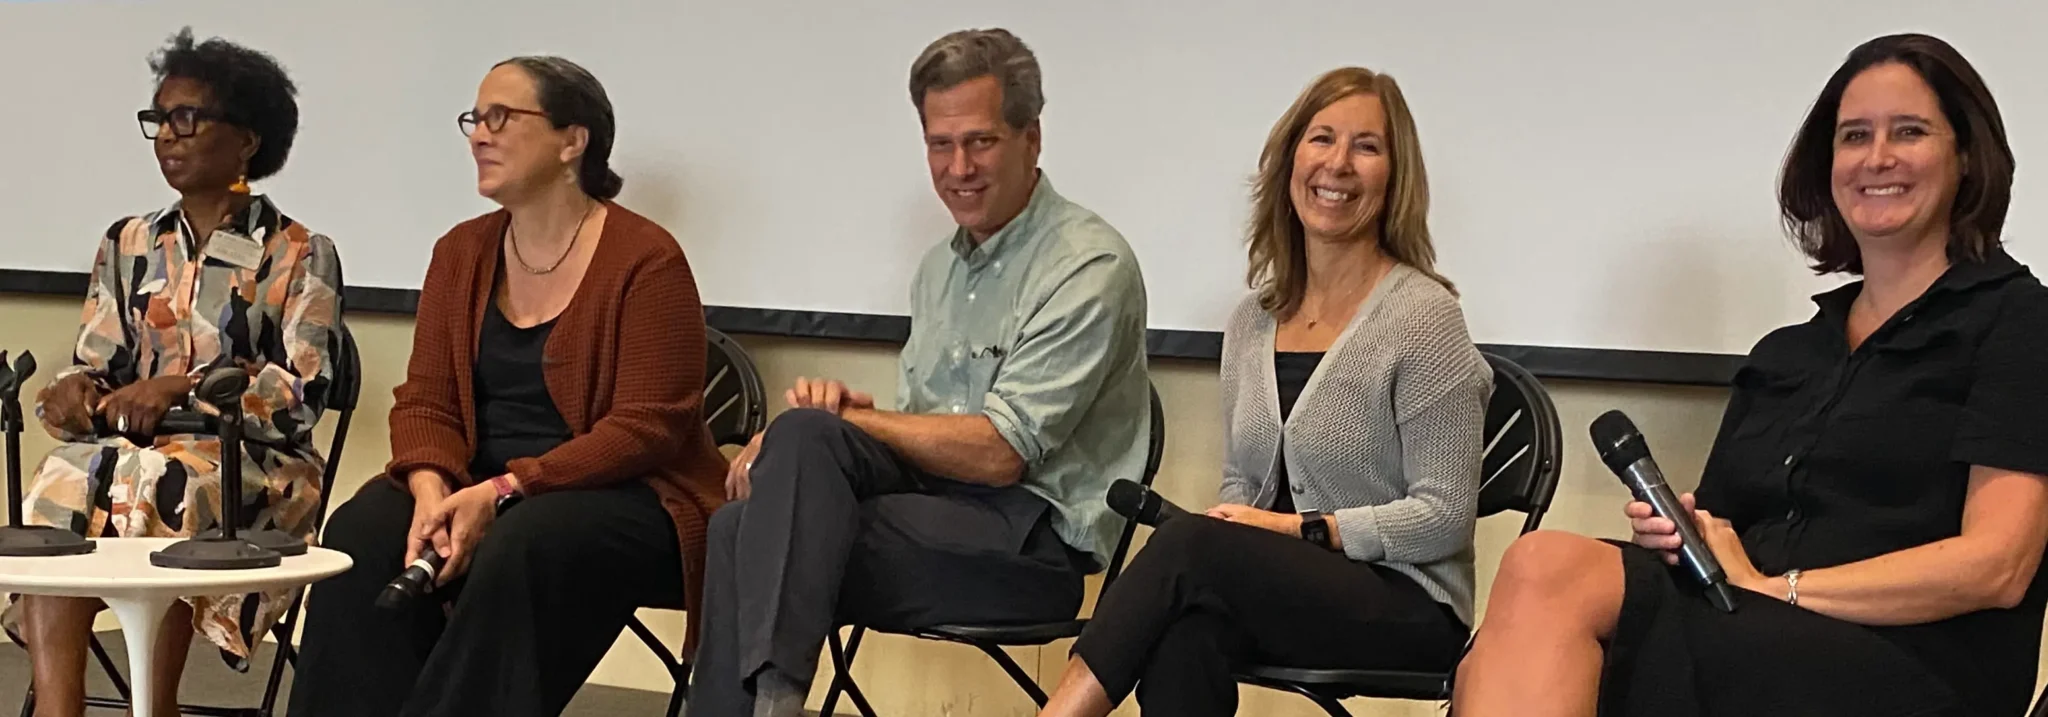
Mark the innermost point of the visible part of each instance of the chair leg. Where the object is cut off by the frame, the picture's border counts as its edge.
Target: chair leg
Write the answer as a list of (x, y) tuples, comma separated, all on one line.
[(675, 702), (107, 663), (838, 671), (681, 672), (1329, 705), (653, 643), (282, 631), (842, 675), (1017, 673)]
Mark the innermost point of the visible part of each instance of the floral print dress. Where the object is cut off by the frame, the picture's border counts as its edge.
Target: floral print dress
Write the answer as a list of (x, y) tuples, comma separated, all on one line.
[(158, 307)]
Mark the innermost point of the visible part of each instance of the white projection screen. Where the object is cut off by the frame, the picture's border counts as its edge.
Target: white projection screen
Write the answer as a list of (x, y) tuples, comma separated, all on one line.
[(1603, 171)]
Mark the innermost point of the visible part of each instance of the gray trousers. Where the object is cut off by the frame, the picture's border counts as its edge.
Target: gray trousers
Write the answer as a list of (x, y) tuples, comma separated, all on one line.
[(841, 530)]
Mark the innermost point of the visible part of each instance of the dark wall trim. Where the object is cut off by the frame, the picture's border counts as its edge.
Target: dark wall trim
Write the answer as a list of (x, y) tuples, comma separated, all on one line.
[(1663, 367)]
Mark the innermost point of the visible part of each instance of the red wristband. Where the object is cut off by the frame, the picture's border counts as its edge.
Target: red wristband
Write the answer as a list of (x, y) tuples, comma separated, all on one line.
[(504, 488)]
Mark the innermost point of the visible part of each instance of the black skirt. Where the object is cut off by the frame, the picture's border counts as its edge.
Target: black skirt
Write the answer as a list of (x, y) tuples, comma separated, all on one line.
[(1676, 655)]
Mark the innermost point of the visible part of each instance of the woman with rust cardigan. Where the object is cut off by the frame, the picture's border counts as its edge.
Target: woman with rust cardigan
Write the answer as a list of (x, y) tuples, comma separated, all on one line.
[(547, 441)]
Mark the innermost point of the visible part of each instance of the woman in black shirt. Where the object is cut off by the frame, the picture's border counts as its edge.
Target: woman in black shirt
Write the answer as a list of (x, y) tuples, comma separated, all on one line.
[(1877, 488)]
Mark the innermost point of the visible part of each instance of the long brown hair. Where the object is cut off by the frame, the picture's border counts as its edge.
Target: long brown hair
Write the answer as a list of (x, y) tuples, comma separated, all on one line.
[(1806, 198), (1279, 261)]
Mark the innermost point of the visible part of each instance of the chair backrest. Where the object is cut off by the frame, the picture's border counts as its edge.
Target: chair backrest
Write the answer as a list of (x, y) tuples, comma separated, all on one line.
[(342, 396), (735, 405), (1524, 445), (1153, 453)]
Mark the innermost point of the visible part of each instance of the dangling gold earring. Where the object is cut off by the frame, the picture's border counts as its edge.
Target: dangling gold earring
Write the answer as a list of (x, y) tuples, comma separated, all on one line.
[(241, 185)]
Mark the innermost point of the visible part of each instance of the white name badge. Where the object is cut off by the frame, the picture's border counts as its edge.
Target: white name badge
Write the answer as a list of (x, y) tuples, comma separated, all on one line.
[(234, 249)]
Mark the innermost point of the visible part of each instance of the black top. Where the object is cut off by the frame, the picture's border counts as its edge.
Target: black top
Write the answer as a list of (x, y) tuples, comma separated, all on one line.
[(515, 417), (1828, 456), (1291, 370)]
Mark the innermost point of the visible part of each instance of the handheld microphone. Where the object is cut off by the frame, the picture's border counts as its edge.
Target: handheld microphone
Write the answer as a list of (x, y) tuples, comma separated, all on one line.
[(1142, 504), (1625, 452), (417, 580)]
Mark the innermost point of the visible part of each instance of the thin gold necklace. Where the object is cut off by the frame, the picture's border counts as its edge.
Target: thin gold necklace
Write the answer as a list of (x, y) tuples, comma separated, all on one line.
[(512, 236), (1352, 296)]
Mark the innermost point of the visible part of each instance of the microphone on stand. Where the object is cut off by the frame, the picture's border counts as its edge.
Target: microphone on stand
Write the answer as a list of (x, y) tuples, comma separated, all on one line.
[(1625, 452), (19, 539), (226, 548), (1137, 502)]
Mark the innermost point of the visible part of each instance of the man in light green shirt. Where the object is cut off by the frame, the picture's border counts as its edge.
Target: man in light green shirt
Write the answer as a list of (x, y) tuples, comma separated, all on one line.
[(1022, 394)]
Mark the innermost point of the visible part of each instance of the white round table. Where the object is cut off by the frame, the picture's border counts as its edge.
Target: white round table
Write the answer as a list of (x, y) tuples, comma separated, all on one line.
[(119, 574)]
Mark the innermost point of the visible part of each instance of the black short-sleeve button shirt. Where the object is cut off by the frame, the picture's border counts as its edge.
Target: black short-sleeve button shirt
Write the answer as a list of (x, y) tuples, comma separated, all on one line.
[(1829, 456)]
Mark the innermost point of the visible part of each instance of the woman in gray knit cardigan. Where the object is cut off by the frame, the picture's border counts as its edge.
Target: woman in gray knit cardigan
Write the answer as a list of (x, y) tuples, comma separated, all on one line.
[(1355, 402)]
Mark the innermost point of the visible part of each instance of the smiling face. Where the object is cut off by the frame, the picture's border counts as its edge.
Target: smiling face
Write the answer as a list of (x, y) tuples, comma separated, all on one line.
[(983, 169), (213, 157), (1896, 166), (1341, 166)]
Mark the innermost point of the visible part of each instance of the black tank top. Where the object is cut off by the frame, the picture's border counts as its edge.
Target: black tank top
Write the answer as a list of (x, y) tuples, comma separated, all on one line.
[(1291, 370), (515, 416)]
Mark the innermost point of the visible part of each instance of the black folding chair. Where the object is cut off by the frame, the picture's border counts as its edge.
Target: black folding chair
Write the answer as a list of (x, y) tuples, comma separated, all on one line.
[(990, 639), (735, 408), (341, 402), (1524, 454)]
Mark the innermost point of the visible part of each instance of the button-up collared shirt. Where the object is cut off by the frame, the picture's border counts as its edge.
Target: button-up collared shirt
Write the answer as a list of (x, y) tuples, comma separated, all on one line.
[(1040, 328), (1829, 455)]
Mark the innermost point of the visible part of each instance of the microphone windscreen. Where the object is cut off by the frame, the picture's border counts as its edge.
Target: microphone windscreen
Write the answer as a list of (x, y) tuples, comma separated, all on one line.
[(392, 598), (222, 386), (1618, 441), (1126, 497)]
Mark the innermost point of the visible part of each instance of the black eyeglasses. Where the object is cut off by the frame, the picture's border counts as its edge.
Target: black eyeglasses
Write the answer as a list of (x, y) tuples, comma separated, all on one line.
[(183, 120), (492, 117)]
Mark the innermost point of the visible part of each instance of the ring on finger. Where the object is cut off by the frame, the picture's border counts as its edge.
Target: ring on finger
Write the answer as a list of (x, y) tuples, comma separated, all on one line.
[(121, 424)]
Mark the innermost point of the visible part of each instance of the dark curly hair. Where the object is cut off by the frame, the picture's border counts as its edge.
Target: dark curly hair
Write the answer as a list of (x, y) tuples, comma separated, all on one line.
[(248, 87)]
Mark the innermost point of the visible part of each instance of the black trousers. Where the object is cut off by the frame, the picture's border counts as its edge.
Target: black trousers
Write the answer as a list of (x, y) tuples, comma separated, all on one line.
[(552, 583), (841, 530), (1205, 595)]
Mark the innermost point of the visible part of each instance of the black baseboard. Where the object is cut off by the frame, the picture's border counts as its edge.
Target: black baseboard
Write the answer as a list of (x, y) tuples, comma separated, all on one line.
[(1661, 367)]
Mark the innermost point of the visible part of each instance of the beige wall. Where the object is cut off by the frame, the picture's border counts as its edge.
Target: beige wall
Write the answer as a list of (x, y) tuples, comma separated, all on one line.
[(911, 677)]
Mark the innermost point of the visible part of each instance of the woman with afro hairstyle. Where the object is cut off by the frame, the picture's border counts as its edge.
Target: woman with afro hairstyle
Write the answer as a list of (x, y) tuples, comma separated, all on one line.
[(221, 277)]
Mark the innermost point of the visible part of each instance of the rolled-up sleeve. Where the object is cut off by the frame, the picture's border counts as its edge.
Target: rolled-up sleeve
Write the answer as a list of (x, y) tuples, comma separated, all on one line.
[(286, 397), (1066, 350), (105, 350)]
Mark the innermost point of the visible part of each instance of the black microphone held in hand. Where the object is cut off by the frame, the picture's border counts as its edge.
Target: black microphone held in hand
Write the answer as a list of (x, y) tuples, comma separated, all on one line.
[(1625, 452), (418, 579), (1137, 502)]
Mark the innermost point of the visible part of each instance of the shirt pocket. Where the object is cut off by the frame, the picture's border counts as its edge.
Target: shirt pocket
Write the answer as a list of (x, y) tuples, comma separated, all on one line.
[(1930, 368), (977, 377), (1772, 397)]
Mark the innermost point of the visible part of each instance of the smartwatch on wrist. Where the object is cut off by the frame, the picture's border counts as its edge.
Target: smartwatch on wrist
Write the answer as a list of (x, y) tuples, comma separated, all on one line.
[(1315, 528)]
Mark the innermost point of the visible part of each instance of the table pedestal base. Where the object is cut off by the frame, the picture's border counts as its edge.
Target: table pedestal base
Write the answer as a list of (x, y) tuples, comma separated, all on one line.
[(141, 618)]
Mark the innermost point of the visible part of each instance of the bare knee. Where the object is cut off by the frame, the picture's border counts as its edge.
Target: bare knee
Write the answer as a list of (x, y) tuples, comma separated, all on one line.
[(57, 610), (57, 623), (1557, 576)]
